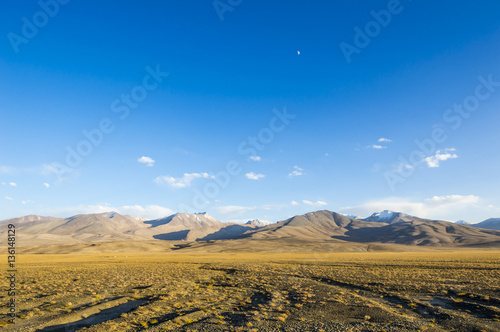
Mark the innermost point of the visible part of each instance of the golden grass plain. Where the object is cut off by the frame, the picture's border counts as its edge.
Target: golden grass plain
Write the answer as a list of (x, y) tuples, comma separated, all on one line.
[(370, 291)]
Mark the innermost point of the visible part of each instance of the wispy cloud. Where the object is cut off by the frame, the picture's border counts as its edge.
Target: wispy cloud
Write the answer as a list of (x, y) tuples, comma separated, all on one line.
[(254, 176), (7, 170), (379, 146), (12, 184), (384, 140), (8, 198), (255, 158), (149, 211), (146, 160), (271, 207), (297, 171), (46, 185), (314, 204), (48, 169), (184, 181), (452, 200), (234, 210), (441, 155), (294, 203), (61, 172)]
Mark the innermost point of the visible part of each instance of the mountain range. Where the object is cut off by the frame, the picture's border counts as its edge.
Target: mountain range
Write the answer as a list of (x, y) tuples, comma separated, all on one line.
[(492, 223), (112, 226), (311, 230)]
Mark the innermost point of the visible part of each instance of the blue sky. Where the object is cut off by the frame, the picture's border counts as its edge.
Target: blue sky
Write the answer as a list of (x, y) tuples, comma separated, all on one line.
[(331, 96)]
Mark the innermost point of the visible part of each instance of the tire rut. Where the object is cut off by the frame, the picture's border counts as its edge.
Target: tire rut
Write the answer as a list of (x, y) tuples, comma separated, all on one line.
[(442, 310)]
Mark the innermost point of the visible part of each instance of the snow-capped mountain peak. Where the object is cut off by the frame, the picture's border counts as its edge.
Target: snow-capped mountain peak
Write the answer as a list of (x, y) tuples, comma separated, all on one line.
[(386, 214), (462, 222), (258, 223), (351, 216)]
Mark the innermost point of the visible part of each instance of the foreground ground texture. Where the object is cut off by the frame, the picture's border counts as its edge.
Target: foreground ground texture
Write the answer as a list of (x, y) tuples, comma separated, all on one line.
[(433, 291)]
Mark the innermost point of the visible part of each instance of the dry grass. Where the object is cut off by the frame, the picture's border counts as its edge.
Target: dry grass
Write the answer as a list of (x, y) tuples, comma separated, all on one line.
[(166, 292)]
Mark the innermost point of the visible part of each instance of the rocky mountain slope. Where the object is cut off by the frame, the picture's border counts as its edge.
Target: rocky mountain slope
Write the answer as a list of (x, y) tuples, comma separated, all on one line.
[(390, 217), (398, 229), (311, 229), (111, 226), (492, 223)]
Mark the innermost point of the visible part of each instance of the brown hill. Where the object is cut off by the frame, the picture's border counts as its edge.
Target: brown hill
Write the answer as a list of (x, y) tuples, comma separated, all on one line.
[(315, 231), (111, 226), (322, 225), (435, 233), (312, 226), (492, 223), (192, 227)]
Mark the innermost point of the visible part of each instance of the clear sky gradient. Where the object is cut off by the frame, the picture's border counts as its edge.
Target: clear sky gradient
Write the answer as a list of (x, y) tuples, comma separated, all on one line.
[(269, 109)]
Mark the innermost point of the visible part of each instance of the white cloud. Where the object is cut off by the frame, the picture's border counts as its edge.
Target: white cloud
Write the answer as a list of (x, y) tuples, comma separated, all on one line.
[(253, 176), (234, 210), (271, 206), (170, 180), (12, 184), (8, 198), (183, 182), (48, 169), (46, 185), (296, 172), (441, 155), (255, 158), (400, 168), (449, 207), (315, 204), (7, 170), (294, 203), (149, 211), (80, 209), (452, 199), (384, 140), (146, 160), (62, 172), (378, 146)]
